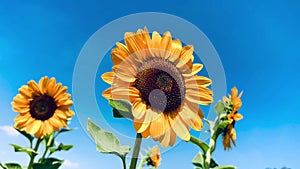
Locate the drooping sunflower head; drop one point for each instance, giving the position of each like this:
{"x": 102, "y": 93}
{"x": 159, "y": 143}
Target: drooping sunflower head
{"x": 43, "y": 108}
{"x": 153, "y": 157}
{"x": 232, "y": 103}
{"x": 157, "y": 75}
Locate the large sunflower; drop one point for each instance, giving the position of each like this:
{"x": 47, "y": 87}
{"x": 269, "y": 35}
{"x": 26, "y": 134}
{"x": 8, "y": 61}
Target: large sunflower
{"x": 43, "y": 107}
{"x": 158, "y": 77}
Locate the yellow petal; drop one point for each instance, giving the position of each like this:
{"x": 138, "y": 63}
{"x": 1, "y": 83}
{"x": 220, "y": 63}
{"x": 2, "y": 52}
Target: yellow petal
{"x": 141, "y": 125}
{"x": 60, "y": 90}
{"x": 126, "y": 72}
{"x": 175, "y": 50}
{"x": 191, "y": 116}
{"x": 234, "y": 92}
{"x": 172, "y": 138}
{"x": 108, "y": 77}
{"x": 48, "y": 127}
{"x": 197, "y": 97}
{"x": 138, "y": 108}
{"x": 33, "y": 86}
{"x": 166, "y": 138}
{"x": 179, "y": 128}
{"x": 199, "y": 80}
{"x": 20, "y": 100}
{"x": 146, "y": 133}
{"x": 43, "y": 84}
{"x": 34, "y": 126}
{"x": 237, "y": 117}
{"x": 119, "y": 53}
{"x": 25, "y": 91}
{"x": 197, "y": 67}
{"x": 130, "y": 94}
{"x": 166, "y": 44}
{"x": 51, "y": 86}
{"x": 185, "y": 55}
{"x": 157, "y": 126}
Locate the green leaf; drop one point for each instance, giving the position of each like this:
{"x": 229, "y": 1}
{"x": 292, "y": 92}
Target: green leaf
{"x": 61, "y": 147}
{"x": 212, "y": 163}
{"x": 198, "y": 160}
{"x": 27, "y": 150}
{"x": 11, "y": 166}
{"x": 121, "y": 108}
{"x": 28, "y": 136}
{"x": 219, "y": 107}
{"x": 49, "y": 163}
{"x": 66, "y": 130}
{"x": 106, "y": 142}
{"x": 225, "y": 167}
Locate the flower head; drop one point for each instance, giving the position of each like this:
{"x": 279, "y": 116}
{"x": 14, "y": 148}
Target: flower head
{"x": 43, "y": 108}
{"x": 233, "y": 103}
{"x": 158, "y": 77}
{"x": 153, "y": 157}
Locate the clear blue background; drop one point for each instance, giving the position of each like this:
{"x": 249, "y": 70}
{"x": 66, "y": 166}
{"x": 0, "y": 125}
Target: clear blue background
{"x": 258, "y": 43}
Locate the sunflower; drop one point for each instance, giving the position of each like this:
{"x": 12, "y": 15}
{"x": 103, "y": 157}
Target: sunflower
{"x": 234, "y": 102}
{"x": 154, "y": 157}
{"x": 158, "y": 77}
{"x": 43, "y": 108}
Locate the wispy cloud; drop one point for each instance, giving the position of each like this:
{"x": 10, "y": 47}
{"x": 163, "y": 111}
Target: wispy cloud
{"x": 69, "y": 164}
{"x": 9, "y": 130}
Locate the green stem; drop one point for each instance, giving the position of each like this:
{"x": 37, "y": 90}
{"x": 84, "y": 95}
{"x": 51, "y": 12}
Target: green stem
{"x": 204, "y": 147}
{"x": 136, "y": 151}
{"x": 33, "y": 156}
{"x": 141, "y": 164}
{"x": 124, "y": 162}
{"x": 45, "y": 152}
{"x": 1, "y": 166}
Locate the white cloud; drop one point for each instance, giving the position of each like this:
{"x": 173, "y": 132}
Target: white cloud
{"x": 69, "y": 164}
{"x": 9, "y": 130}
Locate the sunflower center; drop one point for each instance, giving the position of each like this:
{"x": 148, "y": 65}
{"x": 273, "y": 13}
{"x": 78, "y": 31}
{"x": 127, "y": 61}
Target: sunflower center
{"x": 42, "y": 107}
{"x": 161, "y": 85}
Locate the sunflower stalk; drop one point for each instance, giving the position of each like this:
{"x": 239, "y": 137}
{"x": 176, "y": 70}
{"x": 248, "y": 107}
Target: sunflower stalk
{"x": 34, "y": 155}
{"x": 136, "y": 151}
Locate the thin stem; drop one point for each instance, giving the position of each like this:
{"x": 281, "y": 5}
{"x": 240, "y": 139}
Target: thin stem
{"x": 124, "y": 162}
{"x": 33, "y": 156}
{"x": 204, "y": 147}
{"x": 141, "y": 164}
{"x": 45, "y": 152}
{"x": 136, "y": 151}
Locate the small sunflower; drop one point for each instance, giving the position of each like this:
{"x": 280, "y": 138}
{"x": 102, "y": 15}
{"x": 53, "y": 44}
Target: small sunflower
{"x": 234, "y": 102}
{"x": 43, "y": 108}
{"x": 158, "y": 77}
{"x": 153, "y": 157}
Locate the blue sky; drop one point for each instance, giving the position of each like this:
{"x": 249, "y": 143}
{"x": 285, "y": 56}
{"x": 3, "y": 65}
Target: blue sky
{"x": 258, "y": 44}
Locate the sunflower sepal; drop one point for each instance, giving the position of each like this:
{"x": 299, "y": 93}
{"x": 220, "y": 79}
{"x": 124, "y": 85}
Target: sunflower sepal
{"x": 11, "y": 166}
{"x": 121, "y": 109}
{"x": 106, "y": 142}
